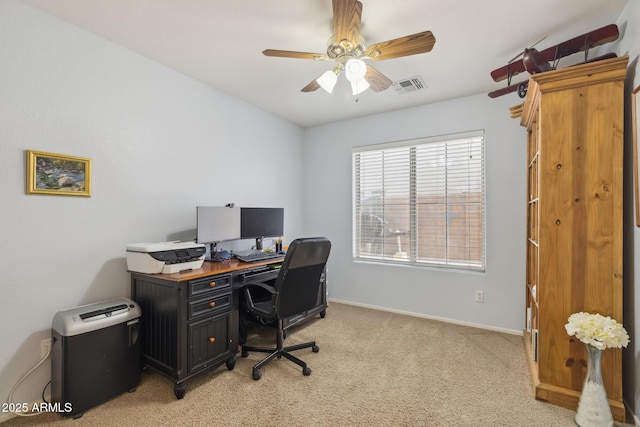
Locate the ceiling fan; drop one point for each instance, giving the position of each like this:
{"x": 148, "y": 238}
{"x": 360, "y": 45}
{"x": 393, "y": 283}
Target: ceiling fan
{"x": 347, "y": 48}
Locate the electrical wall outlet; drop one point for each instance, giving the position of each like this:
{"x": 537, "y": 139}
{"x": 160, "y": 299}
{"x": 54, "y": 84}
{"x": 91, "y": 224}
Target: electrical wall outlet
{"x": 45, "y": 347}
{"x": 479, "y": 296}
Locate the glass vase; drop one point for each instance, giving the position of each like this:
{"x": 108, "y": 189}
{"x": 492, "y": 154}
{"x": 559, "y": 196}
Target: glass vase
{"x": 593, "y": 407}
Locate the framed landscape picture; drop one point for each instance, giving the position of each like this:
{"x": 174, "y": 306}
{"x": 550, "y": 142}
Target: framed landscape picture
{"x": 58, "y": 174}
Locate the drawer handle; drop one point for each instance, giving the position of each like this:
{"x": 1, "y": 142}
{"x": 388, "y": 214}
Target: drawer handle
{"x": 212, "y": 304}
{"x": 212, "y": 339}
{"x": 212, "y": 284}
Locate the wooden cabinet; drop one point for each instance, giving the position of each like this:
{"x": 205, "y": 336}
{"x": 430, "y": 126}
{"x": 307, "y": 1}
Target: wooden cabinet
{"x": 574, "y": 118}
{"x": 188, "y": 325}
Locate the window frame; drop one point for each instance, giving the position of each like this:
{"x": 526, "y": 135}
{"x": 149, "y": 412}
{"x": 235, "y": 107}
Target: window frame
{"x": 412, "y": 258}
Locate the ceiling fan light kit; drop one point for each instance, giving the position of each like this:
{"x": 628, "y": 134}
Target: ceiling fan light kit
{"x": 328, "y": 80}
{"x": 359, "y": 86}
{"x": 355, "y": 69}
{"x": 347, "y": 48}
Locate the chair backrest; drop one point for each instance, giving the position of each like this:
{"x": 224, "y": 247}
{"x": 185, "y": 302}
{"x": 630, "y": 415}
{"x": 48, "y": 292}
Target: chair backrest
{"x": 298, "y": 282}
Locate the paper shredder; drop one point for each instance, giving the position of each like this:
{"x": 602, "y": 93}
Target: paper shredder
{"x": 95, "y": 354}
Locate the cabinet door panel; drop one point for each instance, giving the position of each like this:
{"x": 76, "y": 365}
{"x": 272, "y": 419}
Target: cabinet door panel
{"x": 208, "y": 341}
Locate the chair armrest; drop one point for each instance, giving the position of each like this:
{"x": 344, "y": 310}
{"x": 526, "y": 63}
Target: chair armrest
{"x": 250, "y": 304}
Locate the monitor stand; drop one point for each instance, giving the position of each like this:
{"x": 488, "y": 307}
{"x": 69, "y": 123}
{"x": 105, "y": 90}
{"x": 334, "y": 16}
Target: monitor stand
{"x": 212, "y": 251}
{"x": 259, "y": 243}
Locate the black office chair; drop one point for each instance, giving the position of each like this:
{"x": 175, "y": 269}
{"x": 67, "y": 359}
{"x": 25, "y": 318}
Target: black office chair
{"x": 294, "y": 291}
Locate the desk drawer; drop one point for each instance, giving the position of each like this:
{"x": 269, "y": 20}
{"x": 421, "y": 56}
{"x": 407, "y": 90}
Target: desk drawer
{"x": 209, "y": 284}
{"x": 258, "y": 276}
{"x": 213, "y": 304}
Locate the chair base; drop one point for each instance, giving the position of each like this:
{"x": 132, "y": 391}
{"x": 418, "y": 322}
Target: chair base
{"x": 278, "y": 353}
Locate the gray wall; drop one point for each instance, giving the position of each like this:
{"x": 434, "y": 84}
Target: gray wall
{"x": 160, "y": 143}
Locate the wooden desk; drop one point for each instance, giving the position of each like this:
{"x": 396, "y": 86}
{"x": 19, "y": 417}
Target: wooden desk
{"x": 189, "y": 322}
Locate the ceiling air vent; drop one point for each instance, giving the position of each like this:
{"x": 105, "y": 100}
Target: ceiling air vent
{"x": 412, "y": 84}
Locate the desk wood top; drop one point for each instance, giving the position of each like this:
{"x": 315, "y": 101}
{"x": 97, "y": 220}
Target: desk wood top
{"x": 210, "y": 268}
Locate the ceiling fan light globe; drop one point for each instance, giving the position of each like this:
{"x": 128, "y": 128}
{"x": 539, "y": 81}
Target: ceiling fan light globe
{"x": 327, "y": 80}
{"x": 359, "y": 86}
{"x": 355, "y": 69}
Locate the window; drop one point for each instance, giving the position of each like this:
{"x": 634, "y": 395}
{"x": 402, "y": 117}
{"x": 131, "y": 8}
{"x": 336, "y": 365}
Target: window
{"x": 421, "y": 202}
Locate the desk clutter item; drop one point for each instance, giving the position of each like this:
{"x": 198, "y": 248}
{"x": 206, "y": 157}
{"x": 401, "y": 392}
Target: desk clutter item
{"x": 221, "y": 256}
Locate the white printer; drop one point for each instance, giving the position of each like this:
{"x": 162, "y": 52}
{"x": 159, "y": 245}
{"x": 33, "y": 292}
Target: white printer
{"x": 165, "y": 257}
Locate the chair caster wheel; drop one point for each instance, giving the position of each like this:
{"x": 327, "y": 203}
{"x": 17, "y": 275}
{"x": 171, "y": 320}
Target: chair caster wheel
{"x": 256, "y": 375}
{"x": 244, "y": 353}
{"x": 306, "y": 371}
{"x": 315, "y": 349}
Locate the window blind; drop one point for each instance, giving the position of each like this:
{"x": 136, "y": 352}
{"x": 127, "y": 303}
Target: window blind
{"x": 421, "y": 202}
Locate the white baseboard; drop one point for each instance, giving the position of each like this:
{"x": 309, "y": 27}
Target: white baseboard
{"x": 425, "y": 316}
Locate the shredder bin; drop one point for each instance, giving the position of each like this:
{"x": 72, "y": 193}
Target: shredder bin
{"x": 95, "y": 354}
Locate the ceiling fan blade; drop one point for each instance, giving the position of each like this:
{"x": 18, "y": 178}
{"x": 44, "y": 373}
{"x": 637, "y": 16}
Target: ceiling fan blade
{"x": 376, "y": 79}
{"x": 313, "y": 86}
{"x": 404, "y": 46}
{"x": 346, "y": 20}
{"x": 293, "y": 54}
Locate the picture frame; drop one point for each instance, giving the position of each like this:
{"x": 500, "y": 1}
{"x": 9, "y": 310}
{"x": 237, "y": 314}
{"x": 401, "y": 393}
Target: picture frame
{"x": 635, "y": 123}
{"x": 58, "y": 174}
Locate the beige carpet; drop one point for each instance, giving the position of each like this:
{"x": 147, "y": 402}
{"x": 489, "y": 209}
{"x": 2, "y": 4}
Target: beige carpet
{"x": 374, "y": 368}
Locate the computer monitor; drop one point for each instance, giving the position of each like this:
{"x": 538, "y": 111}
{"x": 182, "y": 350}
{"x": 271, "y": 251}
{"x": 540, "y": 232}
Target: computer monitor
{"x": 217, "y": 224}
{"x": 257, "y": 223}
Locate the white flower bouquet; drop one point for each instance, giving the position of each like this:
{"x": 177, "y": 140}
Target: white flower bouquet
{"x": 597, "y": 330}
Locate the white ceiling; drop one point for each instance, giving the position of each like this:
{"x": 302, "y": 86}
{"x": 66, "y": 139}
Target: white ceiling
{"x": 219, "y": 42}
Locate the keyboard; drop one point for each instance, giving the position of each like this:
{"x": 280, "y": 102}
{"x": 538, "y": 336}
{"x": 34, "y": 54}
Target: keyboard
{"x": 253, "y": 256}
